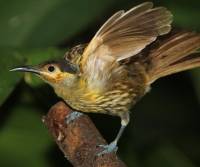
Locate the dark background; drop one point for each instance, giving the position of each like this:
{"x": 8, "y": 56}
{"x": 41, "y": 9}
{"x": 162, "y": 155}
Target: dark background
{"x": 164, "y": 129}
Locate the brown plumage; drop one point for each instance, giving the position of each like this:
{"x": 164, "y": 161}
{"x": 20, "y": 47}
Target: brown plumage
{"x": 111, "y": 73}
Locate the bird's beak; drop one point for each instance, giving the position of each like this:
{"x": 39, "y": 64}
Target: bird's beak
{"x": 27, "y": 69}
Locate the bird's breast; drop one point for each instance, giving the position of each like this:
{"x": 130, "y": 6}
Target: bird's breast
{"x": 113, "y": 102}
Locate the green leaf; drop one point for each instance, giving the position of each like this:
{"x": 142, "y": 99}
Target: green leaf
{"x": 24, "y": 140}
{"x": 23, "y": 16}
{"x": 46, "y": 23}
{"x": 9, "y": 58}
{"x": 65, "y": 20}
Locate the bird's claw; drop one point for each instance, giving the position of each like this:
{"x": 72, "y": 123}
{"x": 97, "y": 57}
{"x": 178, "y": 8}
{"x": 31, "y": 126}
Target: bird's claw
{"x": 72, "y": 116}
{"x": 112, "y": 147}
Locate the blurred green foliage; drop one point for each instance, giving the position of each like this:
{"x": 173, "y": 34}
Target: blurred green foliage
{"x": 164, "y": 128}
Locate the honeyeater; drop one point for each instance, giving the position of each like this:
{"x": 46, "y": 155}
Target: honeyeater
{"x": 117, "y": 67}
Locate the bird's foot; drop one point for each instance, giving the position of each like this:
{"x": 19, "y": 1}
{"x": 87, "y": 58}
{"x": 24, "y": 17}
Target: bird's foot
{"x": 112, "y": 147}
{"x": 72, "y": 116}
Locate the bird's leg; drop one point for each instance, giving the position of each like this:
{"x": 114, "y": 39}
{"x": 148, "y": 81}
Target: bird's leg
{"x": 112, "y": 147}
{"x": 72, "y": 116}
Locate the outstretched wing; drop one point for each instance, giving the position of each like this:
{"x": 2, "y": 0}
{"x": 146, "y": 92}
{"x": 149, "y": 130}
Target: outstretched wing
{"x": 124, "y": 35}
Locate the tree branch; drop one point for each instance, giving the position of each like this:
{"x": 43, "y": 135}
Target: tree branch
{"x": 79, "y": 139}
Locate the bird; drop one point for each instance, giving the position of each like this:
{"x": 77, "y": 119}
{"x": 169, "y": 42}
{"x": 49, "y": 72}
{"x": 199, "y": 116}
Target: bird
{"x": 112, "y": 72}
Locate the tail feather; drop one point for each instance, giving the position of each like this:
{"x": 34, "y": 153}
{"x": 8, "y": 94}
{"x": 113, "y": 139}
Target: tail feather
{"x": 173, "y": 55}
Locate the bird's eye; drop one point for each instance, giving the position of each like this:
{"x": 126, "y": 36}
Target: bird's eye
{"x": 51, "y": 68}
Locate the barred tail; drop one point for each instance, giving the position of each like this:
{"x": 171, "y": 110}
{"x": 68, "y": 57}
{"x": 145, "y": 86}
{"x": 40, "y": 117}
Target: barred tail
{"x": 176, "y": 54}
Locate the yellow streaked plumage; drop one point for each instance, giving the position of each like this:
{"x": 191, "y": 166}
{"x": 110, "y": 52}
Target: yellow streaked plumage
{"x": 111, "y": 73}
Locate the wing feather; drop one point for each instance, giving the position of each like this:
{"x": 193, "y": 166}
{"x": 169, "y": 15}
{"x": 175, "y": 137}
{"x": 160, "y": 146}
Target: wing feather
{"x": 134, "y": 11}
{"x": 175, "y": 54}
{"x": 124, "y": 35}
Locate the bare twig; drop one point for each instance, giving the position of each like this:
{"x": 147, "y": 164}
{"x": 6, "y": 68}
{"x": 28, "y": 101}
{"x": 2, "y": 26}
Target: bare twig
{"x": 79, "y": 139}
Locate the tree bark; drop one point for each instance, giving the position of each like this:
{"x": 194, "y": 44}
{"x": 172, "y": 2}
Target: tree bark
{"x": 79, "y": 139}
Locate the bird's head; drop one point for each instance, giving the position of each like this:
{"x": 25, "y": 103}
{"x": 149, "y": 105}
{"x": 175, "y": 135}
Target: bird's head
{"x": 59, "y": 72}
